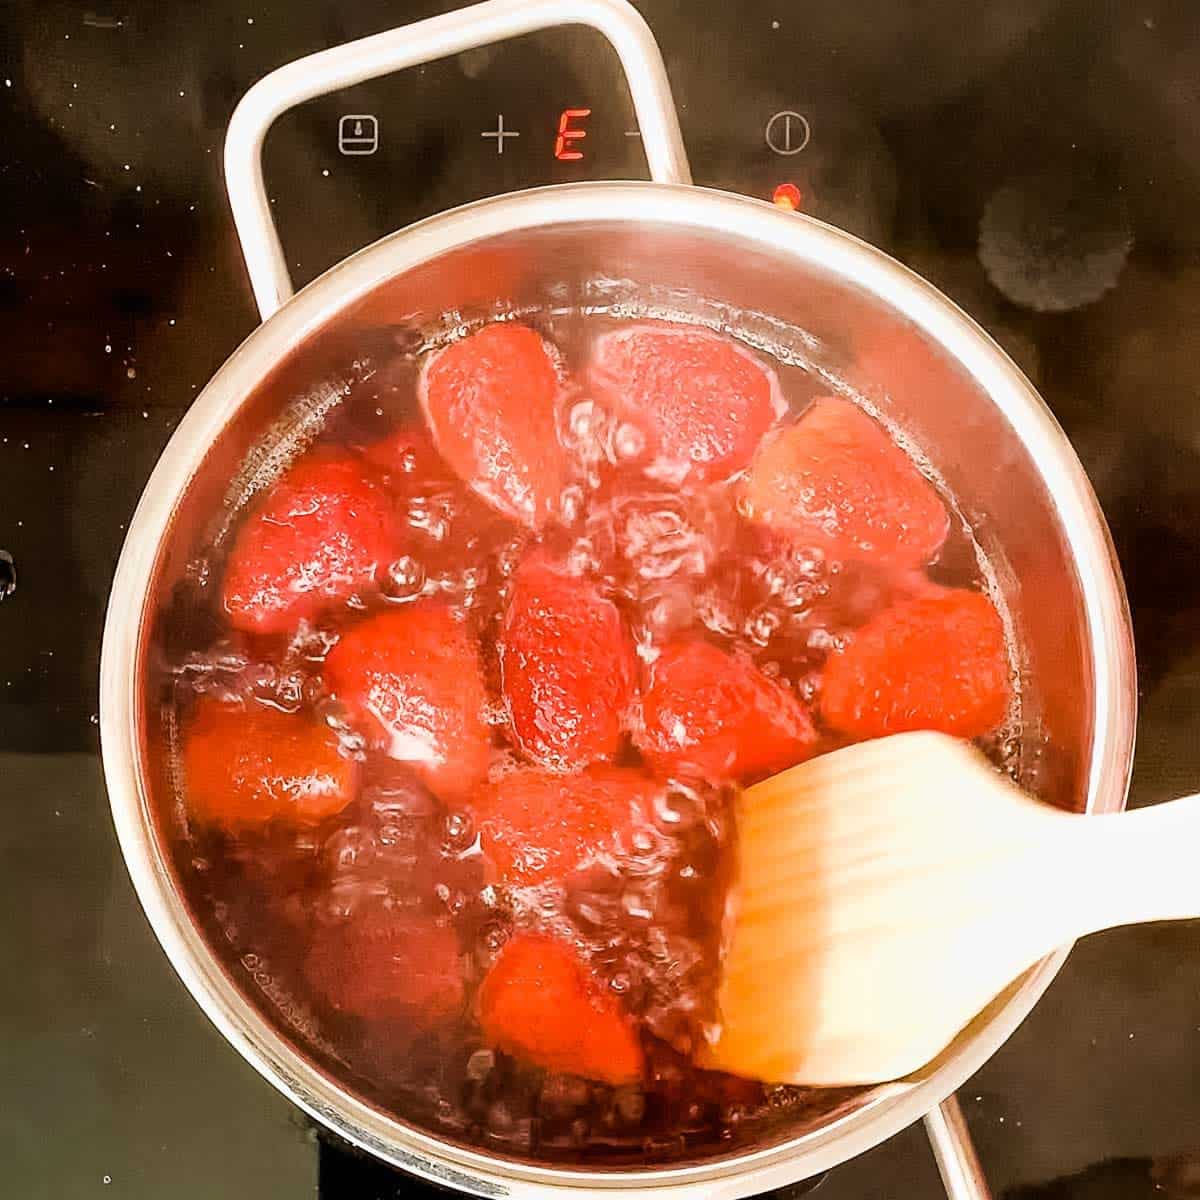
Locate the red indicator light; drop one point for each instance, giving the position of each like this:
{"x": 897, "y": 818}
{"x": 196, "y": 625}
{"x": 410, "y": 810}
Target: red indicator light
{"x": 568, "y": 133}
{"x": 787, "y": 196}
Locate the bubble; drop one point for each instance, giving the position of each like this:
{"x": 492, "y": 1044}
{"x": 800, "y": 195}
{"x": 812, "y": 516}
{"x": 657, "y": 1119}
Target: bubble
{"x": 628, "y": 442}
{"x": 352, "y": 846}
{"x": 405, "y": 579}
{"x": 637, "y": 905}
{"x": 459, "y": 830}
{"x": 677, "y": 808}
{"x": 432, "y": 515}
{"x": 508, "y": 557}
{"x": 762, "y": 626}
{"x": 571, "y": 504}
{"x": 480, "y": 1065}
{"x": 311, "y": 643}
{"x": 583, "y": 419}
{"x": 582, "y": 558}
{"x": 642, "y": 841}
{"x": 823, "y": 641}
{"x": 666, "y": 612}
{"x": 290, "y": 691}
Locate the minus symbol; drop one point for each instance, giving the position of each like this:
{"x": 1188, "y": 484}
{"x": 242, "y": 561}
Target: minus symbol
{"x": 633, "y": 133}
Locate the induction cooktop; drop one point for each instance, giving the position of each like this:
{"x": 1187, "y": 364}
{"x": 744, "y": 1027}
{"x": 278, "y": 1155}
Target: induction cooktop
{"x": 1039, "y": 160}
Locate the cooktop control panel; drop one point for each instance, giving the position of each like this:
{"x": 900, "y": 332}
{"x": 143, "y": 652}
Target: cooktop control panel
{"x": 546, "y": 108}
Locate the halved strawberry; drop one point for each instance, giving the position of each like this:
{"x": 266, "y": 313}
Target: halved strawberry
{"x": 491, "y": 403}
{"x": 385, "y": 964}
{"x": 835, "y": 480}
{"x": 717, "y": 715}
{"x": 935, "y": 662}
{"x": 567, "y": 667}
{"x": 702, "y": 401}
{"x": 412, "y": 682}
{"x": 322, "y": 533}
{"x": 245, "y": 766}
{"x": 541, "y": 1002}
{"x": 537, "y": 826}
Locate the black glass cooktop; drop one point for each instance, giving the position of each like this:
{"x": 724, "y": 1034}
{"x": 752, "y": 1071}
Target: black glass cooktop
{"x": 1038, "y": 159}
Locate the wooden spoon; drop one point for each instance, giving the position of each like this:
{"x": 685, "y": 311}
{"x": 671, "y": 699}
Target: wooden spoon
{"x": 887, "y": 892}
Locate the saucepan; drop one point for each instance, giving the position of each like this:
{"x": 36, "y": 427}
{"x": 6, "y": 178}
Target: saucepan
{"x": 782, "y": 282}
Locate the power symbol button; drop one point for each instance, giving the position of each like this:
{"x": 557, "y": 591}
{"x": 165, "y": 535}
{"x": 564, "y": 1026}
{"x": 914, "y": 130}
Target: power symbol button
{"x": 787, "y": 132}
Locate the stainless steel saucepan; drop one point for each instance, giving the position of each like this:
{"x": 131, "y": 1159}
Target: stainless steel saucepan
{"x": 781, "y": 281}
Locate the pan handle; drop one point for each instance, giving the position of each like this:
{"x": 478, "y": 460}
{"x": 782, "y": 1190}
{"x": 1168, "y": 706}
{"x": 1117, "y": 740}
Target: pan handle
{"x": 957, "y": 1163}
{"x": 421, "y": 42}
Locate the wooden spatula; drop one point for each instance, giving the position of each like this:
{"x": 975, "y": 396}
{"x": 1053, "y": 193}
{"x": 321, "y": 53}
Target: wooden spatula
{"x": 887, "y": 892}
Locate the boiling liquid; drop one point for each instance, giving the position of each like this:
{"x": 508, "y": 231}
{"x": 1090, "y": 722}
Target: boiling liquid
{"x": 675, "y": 563}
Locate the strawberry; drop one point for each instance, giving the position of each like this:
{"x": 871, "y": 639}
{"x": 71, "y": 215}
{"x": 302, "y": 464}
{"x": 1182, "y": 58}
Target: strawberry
{"x": 938, "y": 662}
{"x": 715, "y": 714}
{"x": 538, "y": 826}
{"x": 567, "y": 667}
{"x": 541, "y": 1002}
{"x": 701, "y": 401}
{"x": 835, "y": 480}
{"x": 411, "y": 681}
{"x": 323, "y": 532}
{"x": 245, "y": 766}
{"x": 383, "y": 964}
{"x": 491, "y": 403}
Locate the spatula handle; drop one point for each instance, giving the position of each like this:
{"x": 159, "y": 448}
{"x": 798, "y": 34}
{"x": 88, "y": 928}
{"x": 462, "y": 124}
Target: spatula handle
{"x": 1142, "y": 865}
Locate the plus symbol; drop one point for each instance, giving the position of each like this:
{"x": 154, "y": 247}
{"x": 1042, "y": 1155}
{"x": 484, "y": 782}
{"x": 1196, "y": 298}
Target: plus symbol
{"x": 499, "y": 133}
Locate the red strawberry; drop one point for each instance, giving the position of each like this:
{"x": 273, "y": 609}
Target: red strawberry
{"x": 537, "y": 825}
{"x": 541, "y": 1003}
{"x": 247, "y": 766}
{"x": 717, "y": 715}
{"x": 835, "y": 480}
{"x": 323, "y": 532}
{"x": 702, "y": 401}
{"x": 382, "y": 964}
{"x": 490, "y": 401}
{"x": 567, "y": 667}
{"x": 934, "y": 662}
{"x": 412, "y": 682}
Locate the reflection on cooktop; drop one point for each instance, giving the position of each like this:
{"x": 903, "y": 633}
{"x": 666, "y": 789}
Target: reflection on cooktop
{"x": 1122, "y": 1179}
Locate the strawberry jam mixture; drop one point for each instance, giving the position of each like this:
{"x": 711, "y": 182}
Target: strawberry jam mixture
{"x": 464, "y": 695}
